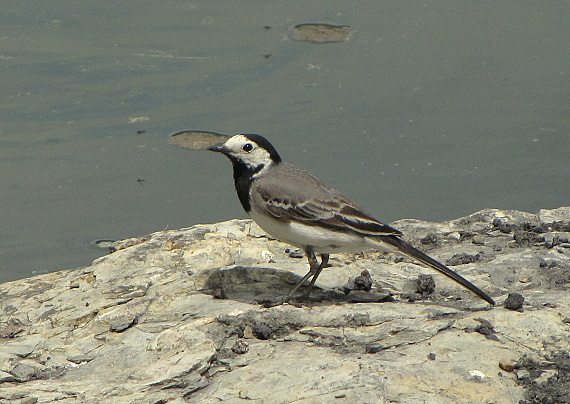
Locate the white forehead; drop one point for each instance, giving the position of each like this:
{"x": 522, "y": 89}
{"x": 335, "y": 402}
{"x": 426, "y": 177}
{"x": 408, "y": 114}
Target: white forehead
{"x": 236, "y": 142}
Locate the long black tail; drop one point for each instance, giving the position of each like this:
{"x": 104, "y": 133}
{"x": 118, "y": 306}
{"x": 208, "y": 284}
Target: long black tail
{"x": 426, "y": 259}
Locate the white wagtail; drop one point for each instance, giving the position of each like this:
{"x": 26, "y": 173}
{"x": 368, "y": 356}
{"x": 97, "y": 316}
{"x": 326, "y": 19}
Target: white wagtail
{"x": 295, "y": 207}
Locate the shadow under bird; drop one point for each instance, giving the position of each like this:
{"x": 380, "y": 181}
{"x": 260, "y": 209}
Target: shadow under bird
{"x": 297, "y": 208}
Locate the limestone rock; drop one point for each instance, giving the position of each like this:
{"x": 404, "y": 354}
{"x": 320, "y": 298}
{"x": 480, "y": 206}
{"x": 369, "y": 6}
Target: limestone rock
{"x": 175, "y": 316}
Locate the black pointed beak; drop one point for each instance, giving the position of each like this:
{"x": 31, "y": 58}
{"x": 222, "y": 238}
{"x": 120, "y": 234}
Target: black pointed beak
{"x": 219, "y": 149}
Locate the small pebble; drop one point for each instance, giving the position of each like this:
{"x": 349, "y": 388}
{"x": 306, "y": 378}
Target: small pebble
{"x": 477, "y": 375}
{"x": 514, "y": 301}
{"x": 240, "y": 347}
{"x": 425, "y": 284}
{"x": 508, "y": 365}
{"x": 486, "y": 328}
{"x": 363, "y": 281}
{"x": 522, "y": 374}
{"x": 123, "y": 323}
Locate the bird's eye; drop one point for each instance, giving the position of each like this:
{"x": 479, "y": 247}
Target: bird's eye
{"x": 247, "y": 147}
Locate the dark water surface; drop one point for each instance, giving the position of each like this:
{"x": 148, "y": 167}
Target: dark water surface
{"x": 431, "y": 110}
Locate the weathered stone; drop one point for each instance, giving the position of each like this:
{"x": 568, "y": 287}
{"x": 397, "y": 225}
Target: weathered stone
{"x": 555, "y": 215}
{"x": 514, "y": 301}
{"x": 174, "y": 317}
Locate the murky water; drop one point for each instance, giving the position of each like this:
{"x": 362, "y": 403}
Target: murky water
{"x": 431, "y": 110}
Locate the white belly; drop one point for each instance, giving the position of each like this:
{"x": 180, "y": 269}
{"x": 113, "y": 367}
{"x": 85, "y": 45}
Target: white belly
{"x": 322, "y": 240}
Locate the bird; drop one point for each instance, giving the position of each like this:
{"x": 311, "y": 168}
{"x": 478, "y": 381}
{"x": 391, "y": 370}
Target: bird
{"x": 297, "y": 208}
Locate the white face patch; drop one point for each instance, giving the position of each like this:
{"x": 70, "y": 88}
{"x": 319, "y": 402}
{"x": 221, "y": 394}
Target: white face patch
{"x": 247, "y": 151}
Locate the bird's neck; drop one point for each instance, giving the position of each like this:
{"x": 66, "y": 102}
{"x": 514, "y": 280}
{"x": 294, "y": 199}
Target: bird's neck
{"x": 243, "y": 178}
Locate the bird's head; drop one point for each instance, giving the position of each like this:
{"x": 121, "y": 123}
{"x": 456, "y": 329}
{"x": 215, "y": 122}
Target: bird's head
{"x": 252, "y": 151}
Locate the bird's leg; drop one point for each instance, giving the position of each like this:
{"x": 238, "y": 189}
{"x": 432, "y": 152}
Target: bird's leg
{"x": 324, "y": 261}
{"x": 314, "y": 270}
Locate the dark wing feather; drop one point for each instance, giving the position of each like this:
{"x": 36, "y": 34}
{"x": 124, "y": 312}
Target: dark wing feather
{"x": 321, "y": 206}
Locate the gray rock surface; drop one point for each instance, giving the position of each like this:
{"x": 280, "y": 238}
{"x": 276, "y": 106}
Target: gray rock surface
{"x": 174, "y": 317}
